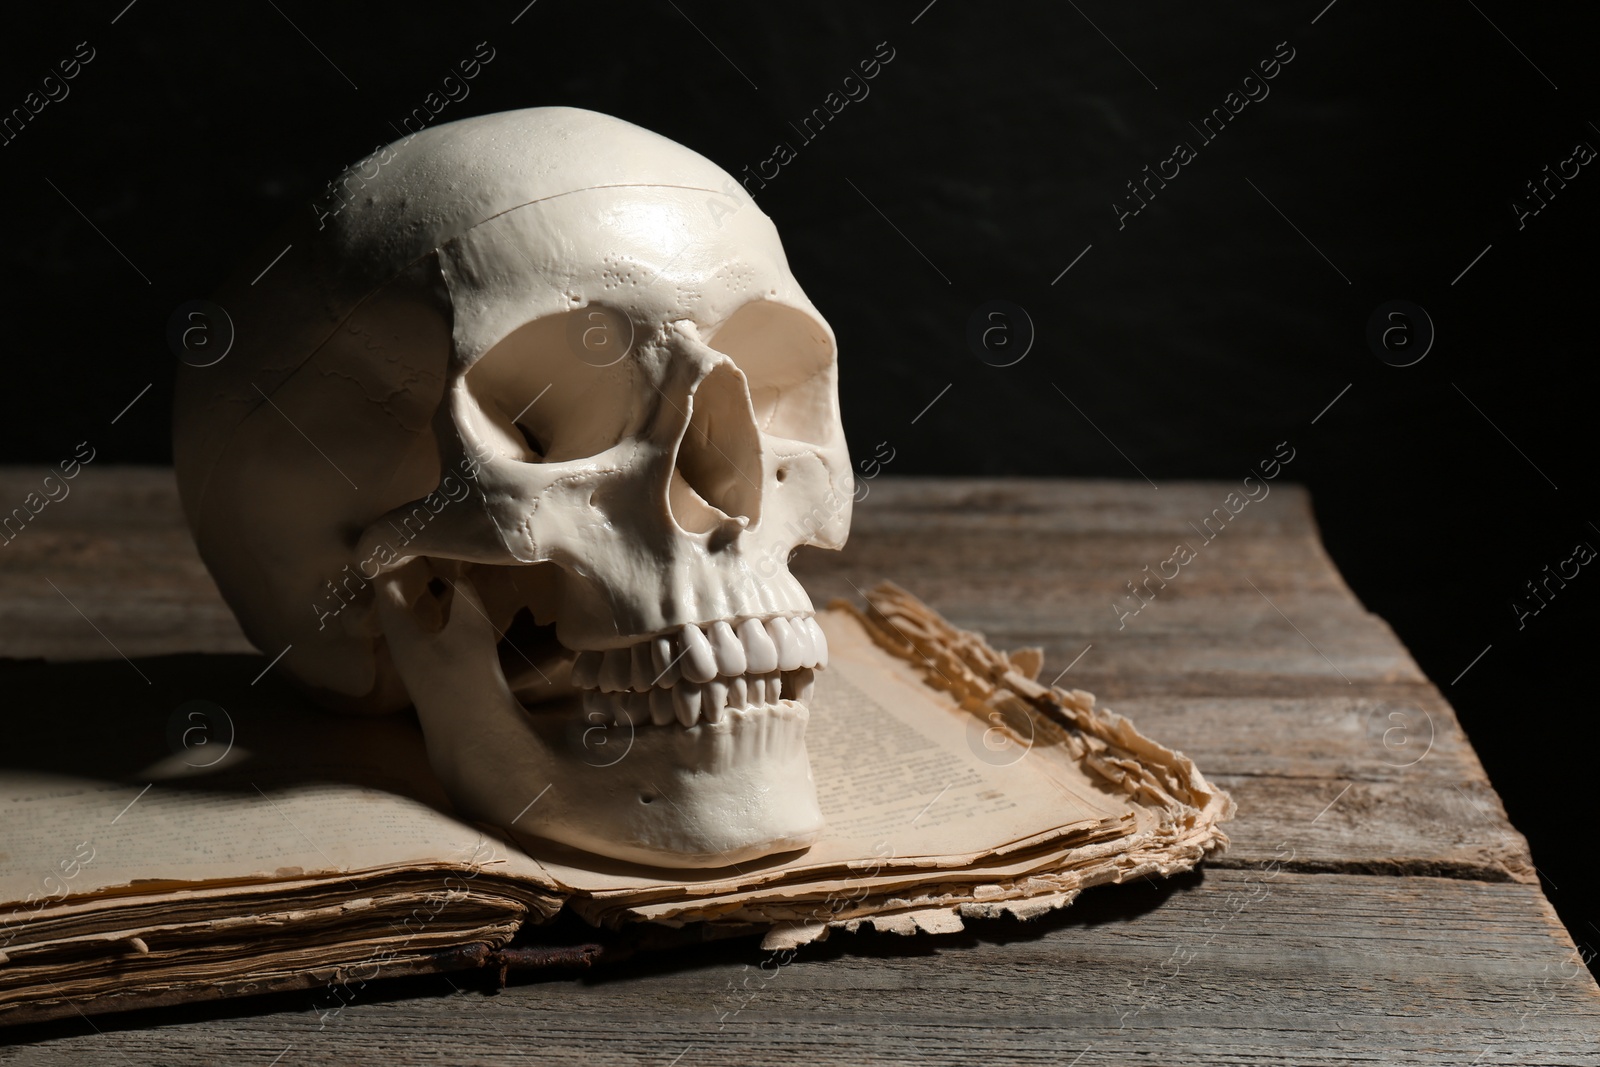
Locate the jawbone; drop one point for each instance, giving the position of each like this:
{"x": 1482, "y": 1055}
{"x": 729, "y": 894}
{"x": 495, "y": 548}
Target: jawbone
{"x": 592, "y": 771}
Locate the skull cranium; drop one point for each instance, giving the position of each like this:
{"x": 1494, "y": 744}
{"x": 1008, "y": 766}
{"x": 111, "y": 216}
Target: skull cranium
{"x": 538, "y": 417}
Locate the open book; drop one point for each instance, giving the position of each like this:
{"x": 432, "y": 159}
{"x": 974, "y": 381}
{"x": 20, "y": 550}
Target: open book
{"x": 303, "y": 850}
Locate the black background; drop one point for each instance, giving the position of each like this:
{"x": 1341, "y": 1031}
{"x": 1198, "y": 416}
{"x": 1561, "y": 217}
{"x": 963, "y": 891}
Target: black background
{"x": 1196, "y": 337}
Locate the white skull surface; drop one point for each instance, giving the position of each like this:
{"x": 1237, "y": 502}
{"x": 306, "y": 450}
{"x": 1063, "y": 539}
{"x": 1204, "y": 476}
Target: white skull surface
{"x": 535, "y": 414}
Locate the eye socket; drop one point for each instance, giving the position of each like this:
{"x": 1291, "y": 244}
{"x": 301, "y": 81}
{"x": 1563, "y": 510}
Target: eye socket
{"x": 543, "y": 395}
{"x": 788, "y": 360}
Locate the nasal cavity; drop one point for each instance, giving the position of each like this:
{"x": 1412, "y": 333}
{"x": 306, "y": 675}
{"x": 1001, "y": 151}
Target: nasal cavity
{"x": 718, "y": 471}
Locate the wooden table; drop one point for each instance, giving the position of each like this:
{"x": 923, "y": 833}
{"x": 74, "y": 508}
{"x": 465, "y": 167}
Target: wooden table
{"x": 1406, "y": 924}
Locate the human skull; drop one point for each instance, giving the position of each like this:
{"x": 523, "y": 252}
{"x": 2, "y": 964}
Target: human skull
{"x": 523, "y": 433}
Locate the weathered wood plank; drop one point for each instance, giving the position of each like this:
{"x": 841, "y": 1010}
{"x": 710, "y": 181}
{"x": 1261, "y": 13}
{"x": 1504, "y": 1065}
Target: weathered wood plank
{"x": 117, "y": 548}
{"x": 1256, "y": 660}
{"x": 1227, "y": 967}
{"x": 1384, "y": 782}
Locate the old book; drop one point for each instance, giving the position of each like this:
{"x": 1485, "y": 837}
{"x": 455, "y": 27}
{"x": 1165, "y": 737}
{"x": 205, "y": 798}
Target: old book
{"x": 317, "y": 852}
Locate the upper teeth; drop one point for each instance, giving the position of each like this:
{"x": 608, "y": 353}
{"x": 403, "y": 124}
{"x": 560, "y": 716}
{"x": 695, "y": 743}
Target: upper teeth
{"x": 700, "y": 670}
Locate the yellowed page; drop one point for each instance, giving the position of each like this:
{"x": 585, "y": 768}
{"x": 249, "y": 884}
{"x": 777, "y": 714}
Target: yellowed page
{"x": 298, "y": 794}
{"x": 905, "y": 777}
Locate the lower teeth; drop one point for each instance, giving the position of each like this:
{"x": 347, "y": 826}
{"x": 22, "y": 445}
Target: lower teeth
{"x": 688, "y": 703}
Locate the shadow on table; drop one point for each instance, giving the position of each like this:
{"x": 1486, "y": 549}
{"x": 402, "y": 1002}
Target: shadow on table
{"x": 223, "y": 723}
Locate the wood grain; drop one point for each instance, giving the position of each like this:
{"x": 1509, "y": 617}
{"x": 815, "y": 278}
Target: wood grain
{"x": 1403, "y": 923}
{"x": 1227, "y": 967}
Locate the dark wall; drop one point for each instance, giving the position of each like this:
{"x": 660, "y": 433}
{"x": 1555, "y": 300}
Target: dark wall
{"x": 988, "y": 154}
